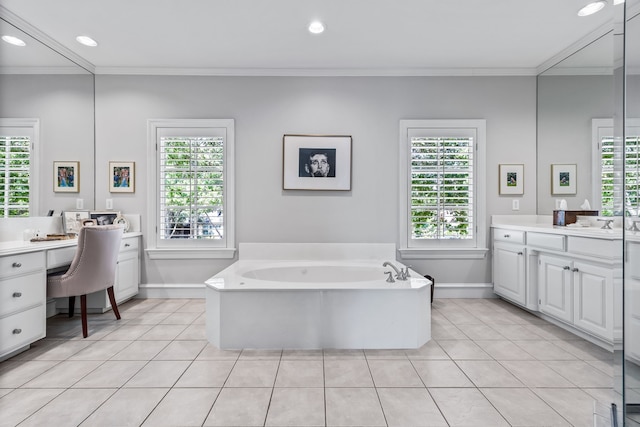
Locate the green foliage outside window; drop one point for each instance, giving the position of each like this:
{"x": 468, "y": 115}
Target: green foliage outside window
{"x": 15, "y": 155}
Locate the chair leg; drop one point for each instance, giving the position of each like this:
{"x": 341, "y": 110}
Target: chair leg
{"x": 112, "y": 299}
{"x": 83, "y": 312}
{"x": 72, "y": 305}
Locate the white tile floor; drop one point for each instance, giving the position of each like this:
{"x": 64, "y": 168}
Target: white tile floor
{"x": 488, "y": 364}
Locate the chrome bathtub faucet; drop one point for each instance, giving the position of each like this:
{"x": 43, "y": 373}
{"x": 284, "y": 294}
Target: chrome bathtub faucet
{"x": 390, "y": 277}
{"x": 400, "y": 274}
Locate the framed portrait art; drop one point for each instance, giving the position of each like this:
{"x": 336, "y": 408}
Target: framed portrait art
{"x": 563, "y": 179}
{"x": 511, "y": 179}
{"x": 316, "y": 162}
{"x": 72, "y": 221}
{"x": 122, "y": 177}
{"x": 66, "y": 177}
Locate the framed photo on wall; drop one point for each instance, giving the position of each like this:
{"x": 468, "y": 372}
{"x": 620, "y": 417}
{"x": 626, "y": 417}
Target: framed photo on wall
{"x": 563, "y": 179}
{"x": 511, "y": 179}
{"x": 122, "y": 177}
{"x": 66, "y": 177}
{"x": 316, "y": 162}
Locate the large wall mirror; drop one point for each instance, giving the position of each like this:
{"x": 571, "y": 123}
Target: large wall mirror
{"x": 571, "y": 94}
{"x": 36, "y": 82}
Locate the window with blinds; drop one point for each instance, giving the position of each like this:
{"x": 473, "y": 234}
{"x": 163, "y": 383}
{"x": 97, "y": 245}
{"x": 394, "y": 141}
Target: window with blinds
{"x": 191, "y": 169}
{"x": 18, "y": 167}
{"x": 442, "y": 211}
{"x": 442, "y": 201}
{"x": 191, "y": 187}
{"x": 15, "y": 166}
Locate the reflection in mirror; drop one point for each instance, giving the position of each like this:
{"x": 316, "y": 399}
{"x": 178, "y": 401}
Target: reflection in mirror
{"x": 46, "y": 115}
{"x": 631, "y": 378}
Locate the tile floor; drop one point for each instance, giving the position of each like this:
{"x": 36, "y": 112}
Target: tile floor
{"x": 488, "y": 364}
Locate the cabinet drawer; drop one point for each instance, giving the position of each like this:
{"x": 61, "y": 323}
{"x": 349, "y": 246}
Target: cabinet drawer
{"x": 21, "y": 329}
{"x": 547, "y": 241}
{"x": 22, "y": 263}
{"x": 60, "y": 257}
{"x": 600, "y": 248}
{"x": 505, "y": 235}
{"x": 129, "y": 244}
{"x": 18, "y": 293}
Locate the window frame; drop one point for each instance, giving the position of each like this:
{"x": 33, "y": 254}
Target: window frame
{"x": 475, "y": 248}
{"x": 190, "y": 248}
{"x": 31, "y": 128}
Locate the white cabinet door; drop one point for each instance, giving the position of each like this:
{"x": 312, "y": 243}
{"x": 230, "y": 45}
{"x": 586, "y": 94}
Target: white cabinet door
{"x": 555, "y": 287}
{"x": 593, "y": 299}
{"x": 509, "y": 272}
{"x": 127, "y": 275}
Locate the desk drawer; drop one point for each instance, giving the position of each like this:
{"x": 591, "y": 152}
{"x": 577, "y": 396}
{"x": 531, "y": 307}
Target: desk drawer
{"x": 60, "y": 257}
{"x": 130, "y": 244}
{"x": 505, "y": 235}
{"x": 21, "y": 329}
{"x": 555, "y": 242}
{"x": 18, "y": 293}
{"x": 21, "y": 263}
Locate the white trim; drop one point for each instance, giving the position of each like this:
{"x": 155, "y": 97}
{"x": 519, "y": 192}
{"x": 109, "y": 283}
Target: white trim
{"x": 442, "y": 253}
{"x": 178, "y": 290}
{"x": 479, "y": 161}
{"x": 315, "y": 72}
{"x": 33, "y": 126}
{"x": 463, "y": 290}
{"x": 190, "y": 253}
{"x": 191, "y": 249}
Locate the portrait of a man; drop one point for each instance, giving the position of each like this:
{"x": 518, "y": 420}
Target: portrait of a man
{"x": 317, "y": 162}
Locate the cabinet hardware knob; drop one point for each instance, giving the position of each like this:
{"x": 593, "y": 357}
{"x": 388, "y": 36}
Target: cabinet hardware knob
{"x": 16, "y": 264}
{"x": 17, "y": 294}
{"x": 506, "y": 236}
{"x": 17, "y": 331}
{"x": 126, "y": 245}
{"x": 575, "y": 270}
{"x": 520, "y": 253}
{"x": 566, "y": 267}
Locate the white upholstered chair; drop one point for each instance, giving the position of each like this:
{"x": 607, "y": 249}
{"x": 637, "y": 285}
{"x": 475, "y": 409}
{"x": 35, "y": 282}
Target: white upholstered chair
{"x": 93, "y": 269}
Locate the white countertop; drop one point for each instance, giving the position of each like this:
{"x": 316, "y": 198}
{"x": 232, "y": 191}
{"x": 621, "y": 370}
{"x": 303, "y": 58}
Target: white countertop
{"x": 13, "y": 247}
{"x": 570, "y": 230}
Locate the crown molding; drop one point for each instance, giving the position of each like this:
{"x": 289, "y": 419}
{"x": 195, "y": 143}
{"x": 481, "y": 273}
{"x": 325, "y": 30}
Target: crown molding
{"x": 308, "y": 72}
{"x": 45, "y": 39}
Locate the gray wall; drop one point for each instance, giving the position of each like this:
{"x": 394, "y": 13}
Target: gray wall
{"x": 265, "y": 108}
{"x": 566, "y": 105}
{"x": 64, "y": 105}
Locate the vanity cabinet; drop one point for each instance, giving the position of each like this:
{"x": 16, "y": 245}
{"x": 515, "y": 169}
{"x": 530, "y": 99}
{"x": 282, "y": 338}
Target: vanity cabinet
{"x": 22, "y": 301}
{"x": 632, "y": 301}
{"x": 575, "y": 276}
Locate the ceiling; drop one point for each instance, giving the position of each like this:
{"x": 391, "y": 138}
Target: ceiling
{"x": 362, "y": 37}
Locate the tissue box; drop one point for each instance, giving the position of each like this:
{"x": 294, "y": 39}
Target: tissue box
{"x": 561, "y": 217}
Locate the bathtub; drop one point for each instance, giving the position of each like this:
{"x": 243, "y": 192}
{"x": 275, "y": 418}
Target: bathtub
{"x": 312, "y": 296}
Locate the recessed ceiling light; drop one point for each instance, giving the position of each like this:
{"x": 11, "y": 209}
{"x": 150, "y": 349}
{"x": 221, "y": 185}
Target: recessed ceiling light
{"x": 87, "y": 41}
{"x": 316, "y": 27}
{"x": 592, "y": 8}
{"x": 617, "y": 2}
{"x": 13, "y": 40}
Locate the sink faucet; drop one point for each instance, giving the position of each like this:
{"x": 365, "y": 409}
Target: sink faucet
{"x": 607, "y": 223}
{"x": 400, "y": 275}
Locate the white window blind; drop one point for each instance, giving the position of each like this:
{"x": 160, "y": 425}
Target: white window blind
{"x": 191, "y": 187}
{"x": 442, "y": 187}
{"x": 18, "y": 167}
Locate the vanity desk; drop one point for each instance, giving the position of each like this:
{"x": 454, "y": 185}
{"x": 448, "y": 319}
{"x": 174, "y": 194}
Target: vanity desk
{"x": 23, "y": 286}
{"x": 570, "y": 275}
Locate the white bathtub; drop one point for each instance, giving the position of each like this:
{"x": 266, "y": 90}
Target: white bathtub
{"x": 317, "y": 302}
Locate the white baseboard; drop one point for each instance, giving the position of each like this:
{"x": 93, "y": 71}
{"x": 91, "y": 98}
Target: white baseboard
{"x": 443, "y": 290}
{"x": 464, "y": 290}
{"x": 171, "y": 290}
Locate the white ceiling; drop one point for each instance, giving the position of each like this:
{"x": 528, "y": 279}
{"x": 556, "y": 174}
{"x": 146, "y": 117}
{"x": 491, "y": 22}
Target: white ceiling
{"x": 269, "y": 37}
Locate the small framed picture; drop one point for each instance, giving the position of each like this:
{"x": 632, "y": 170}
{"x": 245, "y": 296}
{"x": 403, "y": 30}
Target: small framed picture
{"x": 72, "y": 221}
{"x": 104, "y": 218}
{"x": 316, "y": 162}
{"x": 66, "y": 177}
{"x": 563, "y": 179}
{"x": 511, "y": 179}
{"x": 122, "y": 177}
